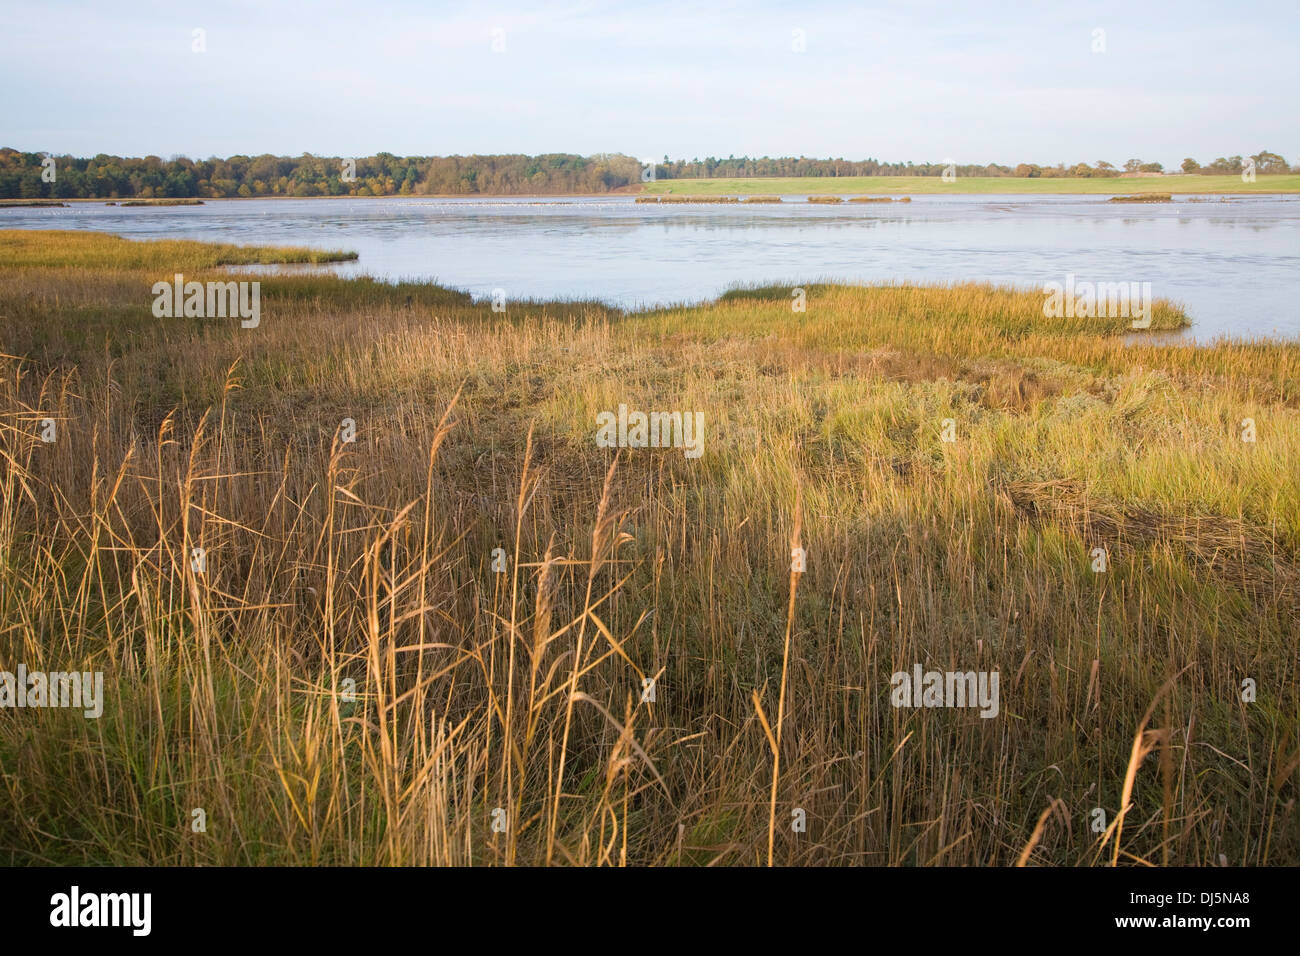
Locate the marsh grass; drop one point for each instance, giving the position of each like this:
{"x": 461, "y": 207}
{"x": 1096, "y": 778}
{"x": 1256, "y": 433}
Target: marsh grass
{"x": 98, "y": 250}
{"x": 159, "y": 202}
{"x": 522, "y": 691}
{"x": 667, "y": 198}
{"x": 698, "y": 199}
{"x": 1144, "y": 197}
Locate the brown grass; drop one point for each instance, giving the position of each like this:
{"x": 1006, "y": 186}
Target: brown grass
{"x": 1143, "y": 197}
{"x": 517, "y": 698}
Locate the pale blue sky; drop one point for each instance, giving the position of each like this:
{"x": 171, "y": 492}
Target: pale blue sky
{"x": 993, "y": 81}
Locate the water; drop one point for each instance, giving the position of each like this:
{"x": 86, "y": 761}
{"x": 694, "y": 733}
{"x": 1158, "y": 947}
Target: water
{"x": 1234, "y": 265}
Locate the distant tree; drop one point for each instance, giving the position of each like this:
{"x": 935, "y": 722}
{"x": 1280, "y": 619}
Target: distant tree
{"x": 1133, "y": 165}
{"x": 1151, "y": 168}
{"x": 1082, "y": 170}
{"x": 1268, "y": 164}
{"x": 1191, "y": 166}
{"x": 1105, "y": 169}
{"x": 180, "y": 183}
{"x": 1231, "y": 166}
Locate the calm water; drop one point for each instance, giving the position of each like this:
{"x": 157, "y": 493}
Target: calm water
{"x": 1235, "y": 265}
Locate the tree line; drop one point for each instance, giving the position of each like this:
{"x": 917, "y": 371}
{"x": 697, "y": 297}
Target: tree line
{"x": 26, "y": 175}
{"x": 29, "y": 175}
{"x": 744, "y": 167}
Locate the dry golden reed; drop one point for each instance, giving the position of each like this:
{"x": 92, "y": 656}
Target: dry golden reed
{"x": 471, "y": 636}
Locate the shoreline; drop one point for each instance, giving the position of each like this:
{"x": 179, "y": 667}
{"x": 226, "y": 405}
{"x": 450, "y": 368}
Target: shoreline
{"x": 678, "y": 199}
{"x": 1273, "y": 185}
{"x": 1201, "y": 330}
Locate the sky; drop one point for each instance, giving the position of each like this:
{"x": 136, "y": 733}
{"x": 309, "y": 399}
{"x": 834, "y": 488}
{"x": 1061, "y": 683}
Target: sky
{"x": 996, "y": 81}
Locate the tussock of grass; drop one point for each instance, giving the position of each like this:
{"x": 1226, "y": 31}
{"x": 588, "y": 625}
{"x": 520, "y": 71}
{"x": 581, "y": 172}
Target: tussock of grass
{"x": 687, "y": 199}
{"x": 825, "y": 199}
{"x": 698, "y": 199}
{"x": 161, "y": 202}
{"x": 1144, "y": 197}
{"x": 522, "y": 691}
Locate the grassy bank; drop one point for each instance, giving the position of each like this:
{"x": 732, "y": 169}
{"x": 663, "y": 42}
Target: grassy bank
{"x": 347, "y": 679}
{"x": 23, "y": 248}
{"x": 847, "y": 185}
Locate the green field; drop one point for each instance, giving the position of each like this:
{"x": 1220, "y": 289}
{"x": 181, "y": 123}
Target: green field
{"x": 888, "y": 185}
